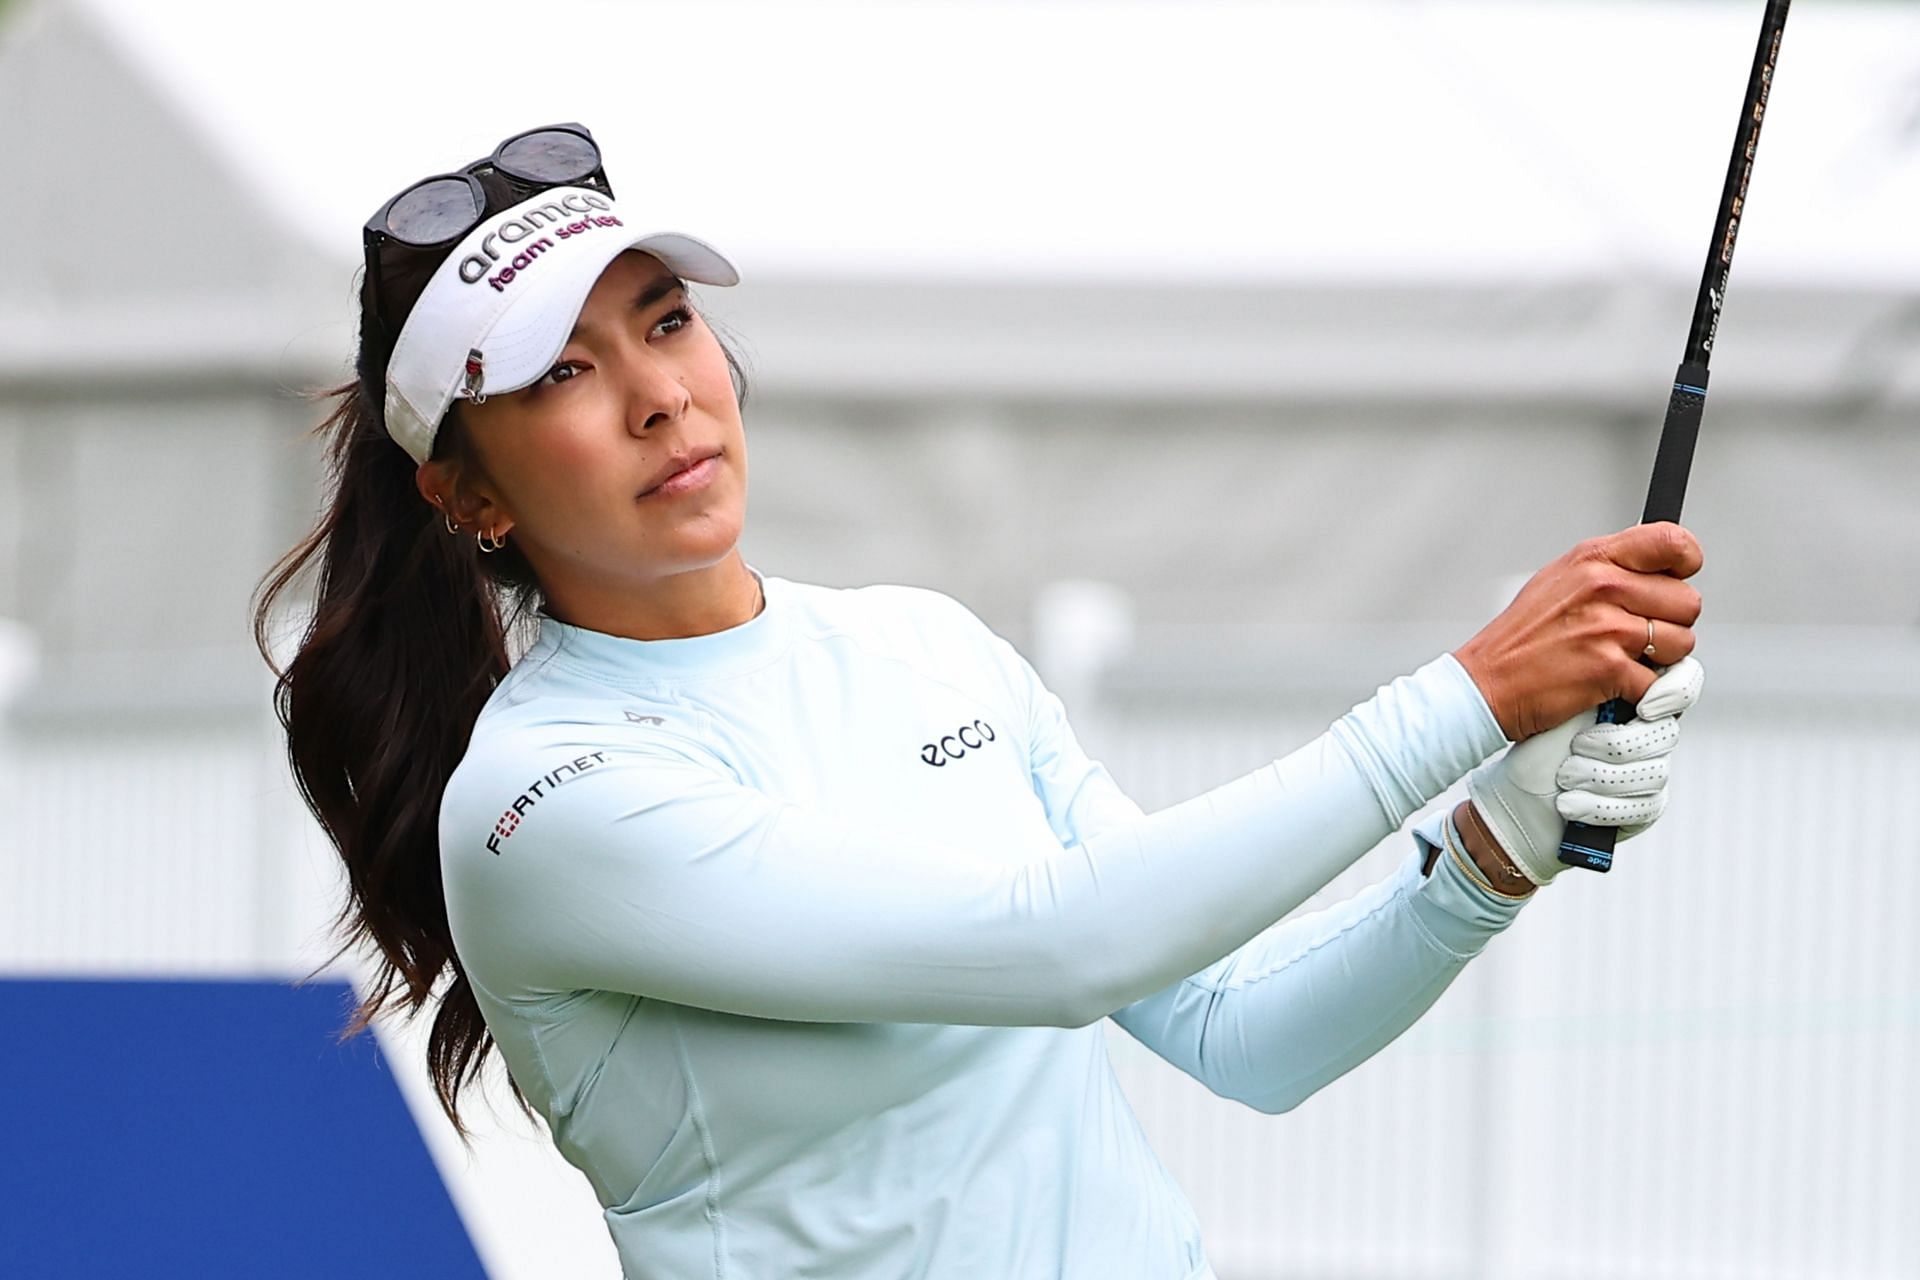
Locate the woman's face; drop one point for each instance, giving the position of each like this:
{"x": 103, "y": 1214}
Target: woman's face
{"x": 572, "y": 463}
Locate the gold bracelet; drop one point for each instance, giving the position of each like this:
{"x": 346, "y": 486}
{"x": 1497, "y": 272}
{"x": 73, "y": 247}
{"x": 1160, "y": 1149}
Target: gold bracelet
{"x": 1499, "y": 851}
{"x": 1465, "y": 864}
{"x": 1467, "y": 868}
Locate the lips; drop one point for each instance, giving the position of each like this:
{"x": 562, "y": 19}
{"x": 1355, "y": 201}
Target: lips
{"x": 678, "y": 463}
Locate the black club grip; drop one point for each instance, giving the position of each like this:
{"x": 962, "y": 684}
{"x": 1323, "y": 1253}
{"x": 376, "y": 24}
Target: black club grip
{"x": 1581, "y": 844}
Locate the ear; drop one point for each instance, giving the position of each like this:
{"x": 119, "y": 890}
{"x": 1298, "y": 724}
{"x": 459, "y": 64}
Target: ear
{"x": 472, "y": 507}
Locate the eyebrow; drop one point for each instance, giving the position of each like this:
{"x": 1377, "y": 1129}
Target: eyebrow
{"x": 659, "y": 288}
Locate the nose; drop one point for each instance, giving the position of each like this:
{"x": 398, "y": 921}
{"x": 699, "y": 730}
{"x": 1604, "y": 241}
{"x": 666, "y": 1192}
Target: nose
{"x": 654, "y": 395}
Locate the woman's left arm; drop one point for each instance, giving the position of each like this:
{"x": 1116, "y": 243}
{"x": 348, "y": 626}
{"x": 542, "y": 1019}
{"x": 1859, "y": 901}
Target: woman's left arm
{"x": 1310, "y": 997}
{"x": 1315, "y": 995}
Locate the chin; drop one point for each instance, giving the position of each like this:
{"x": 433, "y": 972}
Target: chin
{"x": 706, "y": 537}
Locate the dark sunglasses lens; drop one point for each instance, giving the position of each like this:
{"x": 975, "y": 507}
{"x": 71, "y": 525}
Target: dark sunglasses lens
{"x": 433, "y": 212}
{"x": 550, "y": 156}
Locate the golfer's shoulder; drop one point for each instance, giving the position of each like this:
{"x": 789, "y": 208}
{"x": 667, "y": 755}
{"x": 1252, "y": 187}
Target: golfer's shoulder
{"x": 559, "y": 724}
{"x": 892, "y": 618}
{"x": 550, "y": 733}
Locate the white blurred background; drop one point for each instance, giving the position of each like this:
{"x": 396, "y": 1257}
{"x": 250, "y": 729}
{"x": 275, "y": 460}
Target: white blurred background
{"x": 1229, "y": 358}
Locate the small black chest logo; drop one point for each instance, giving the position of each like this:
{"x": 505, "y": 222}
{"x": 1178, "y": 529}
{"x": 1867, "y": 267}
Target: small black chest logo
{"x": 968, "y": 737}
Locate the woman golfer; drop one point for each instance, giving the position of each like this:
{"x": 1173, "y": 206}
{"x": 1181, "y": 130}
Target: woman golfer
{"x": 795, "y": 910}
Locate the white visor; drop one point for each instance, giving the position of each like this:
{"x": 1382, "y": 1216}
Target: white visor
{"x": 499, "y": 310}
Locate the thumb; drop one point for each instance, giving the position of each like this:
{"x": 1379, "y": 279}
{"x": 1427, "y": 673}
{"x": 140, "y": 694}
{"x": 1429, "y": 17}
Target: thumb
{"x": 1533, "y": 765}
{"x": 1676, "y": 690}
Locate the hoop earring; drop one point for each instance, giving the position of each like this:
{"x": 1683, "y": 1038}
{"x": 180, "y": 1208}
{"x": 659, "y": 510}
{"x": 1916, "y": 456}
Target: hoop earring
{"x": 488, "y": 542}
{"x": 451, "y": 526}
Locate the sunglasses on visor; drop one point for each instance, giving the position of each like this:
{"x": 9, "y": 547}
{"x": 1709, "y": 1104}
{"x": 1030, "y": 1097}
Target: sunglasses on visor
{"x": 437, "y": 211}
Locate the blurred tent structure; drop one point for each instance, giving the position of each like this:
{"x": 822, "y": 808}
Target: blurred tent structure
{"x": 1304, "y": 328}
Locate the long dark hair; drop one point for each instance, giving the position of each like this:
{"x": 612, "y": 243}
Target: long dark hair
{"x": 409, "y": 635}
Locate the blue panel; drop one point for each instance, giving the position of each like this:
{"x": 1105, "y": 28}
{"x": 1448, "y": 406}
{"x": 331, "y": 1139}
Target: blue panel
{"x": 209, "y": 1129}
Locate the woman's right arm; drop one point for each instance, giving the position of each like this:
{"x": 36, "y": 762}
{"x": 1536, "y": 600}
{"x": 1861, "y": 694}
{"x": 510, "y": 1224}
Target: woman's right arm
{"x": 656, "y": 873}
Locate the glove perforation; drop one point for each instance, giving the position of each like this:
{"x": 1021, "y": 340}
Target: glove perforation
{"x": 1522, "y": 800}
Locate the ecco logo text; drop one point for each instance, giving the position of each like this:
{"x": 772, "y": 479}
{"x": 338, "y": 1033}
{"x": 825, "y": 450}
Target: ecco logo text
{"x": 968, "y": 737}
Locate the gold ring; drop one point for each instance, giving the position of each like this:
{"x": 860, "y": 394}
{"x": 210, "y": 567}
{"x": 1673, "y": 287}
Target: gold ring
{"x": 1649, "y": 649}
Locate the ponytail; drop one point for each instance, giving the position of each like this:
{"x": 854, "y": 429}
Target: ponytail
{"x": 408, "y": 637}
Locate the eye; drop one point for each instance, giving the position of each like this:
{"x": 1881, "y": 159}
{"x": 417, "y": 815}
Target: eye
{"x": 562, "y": 372}
{"x": 679, "y": 318}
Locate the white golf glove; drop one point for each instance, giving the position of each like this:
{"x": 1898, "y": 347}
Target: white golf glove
{"x": 1607, "y": 775}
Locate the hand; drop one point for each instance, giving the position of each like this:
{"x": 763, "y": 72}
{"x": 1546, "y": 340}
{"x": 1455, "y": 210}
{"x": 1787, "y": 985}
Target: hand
{"x": 1609, "y": 775}
{"x": 1572, "y": 638}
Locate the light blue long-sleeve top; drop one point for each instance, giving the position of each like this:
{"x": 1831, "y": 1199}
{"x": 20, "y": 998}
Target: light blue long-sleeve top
{"x": 799, "y": 936}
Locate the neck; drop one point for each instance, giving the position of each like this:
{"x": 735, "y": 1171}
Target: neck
{"x": 696, "y": 602}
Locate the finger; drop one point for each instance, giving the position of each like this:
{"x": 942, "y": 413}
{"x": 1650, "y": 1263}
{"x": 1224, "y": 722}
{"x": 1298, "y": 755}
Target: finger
{"x": 1675, "y": 604}
{"x": 1635, "y": 778}
{"x": 1671, "y": 643}
{"x": 1633, "y": 676}
{"x": 1627, "y": 741}
{"x": 1611, "y": 811}
{"x": 1675, "y": 691}
{"x": 1660, "y": 546}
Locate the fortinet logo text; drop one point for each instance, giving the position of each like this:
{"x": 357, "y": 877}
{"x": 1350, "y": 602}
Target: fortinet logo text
{"x": 510, "y": 820}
